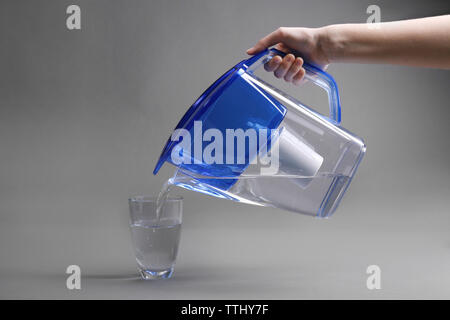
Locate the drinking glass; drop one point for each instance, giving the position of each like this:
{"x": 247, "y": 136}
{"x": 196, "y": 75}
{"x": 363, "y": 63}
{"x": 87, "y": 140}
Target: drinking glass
{"x": 155, "y": 236}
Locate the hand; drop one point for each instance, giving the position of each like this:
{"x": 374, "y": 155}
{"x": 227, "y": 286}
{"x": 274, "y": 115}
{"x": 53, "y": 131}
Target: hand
{"x": 298, "y": 43}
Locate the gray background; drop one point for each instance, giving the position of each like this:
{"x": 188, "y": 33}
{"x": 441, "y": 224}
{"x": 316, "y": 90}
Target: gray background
{"x": 84, "y": 115}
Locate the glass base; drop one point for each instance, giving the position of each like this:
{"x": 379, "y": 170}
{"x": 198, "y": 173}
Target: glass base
{"x": 155, "y": 275}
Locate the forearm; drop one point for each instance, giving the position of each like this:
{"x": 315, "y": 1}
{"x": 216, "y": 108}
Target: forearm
{"x": 419, "y": 42}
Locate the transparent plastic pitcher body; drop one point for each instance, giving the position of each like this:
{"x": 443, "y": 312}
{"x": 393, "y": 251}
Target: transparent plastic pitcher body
{"x": 302, "y": 161}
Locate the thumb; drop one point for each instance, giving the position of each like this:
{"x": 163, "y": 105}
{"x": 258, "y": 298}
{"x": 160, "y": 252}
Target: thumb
{"x": 269, "y": 40}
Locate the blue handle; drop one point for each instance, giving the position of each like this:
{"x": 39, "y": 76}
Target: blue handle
{"x": 313, "y": 74}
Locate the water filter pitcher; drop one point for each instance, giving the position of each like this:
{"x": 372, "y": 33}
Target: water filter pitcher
{"x": 301, "y": 160}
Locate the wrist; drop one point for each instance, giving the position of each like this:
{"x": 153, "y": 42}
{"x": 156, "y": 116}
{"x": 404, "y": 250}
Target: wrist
{"x": 330, "y": 42}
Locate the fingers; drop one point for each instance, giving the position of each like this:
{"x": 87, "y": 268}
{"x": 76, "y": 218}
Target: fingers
{"x": 269, "y": 40}
{"x": 273, "y": 64}
{"x": 284, "y": 66}
{"x": 289, "y": 68}
{"x": 298, "y": 78}
{"x": 295, "y": 68}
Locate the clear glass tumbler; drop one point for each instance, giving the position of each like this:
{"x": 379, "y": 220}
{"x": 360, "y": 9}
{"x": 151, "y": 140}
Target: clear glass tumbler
{"x": 155, "y": 239}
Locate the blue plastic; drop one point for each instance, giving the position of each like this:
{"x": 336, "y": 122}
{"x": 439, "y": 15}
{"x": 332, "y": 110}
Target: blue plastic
{"x": 232, "y": 102}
